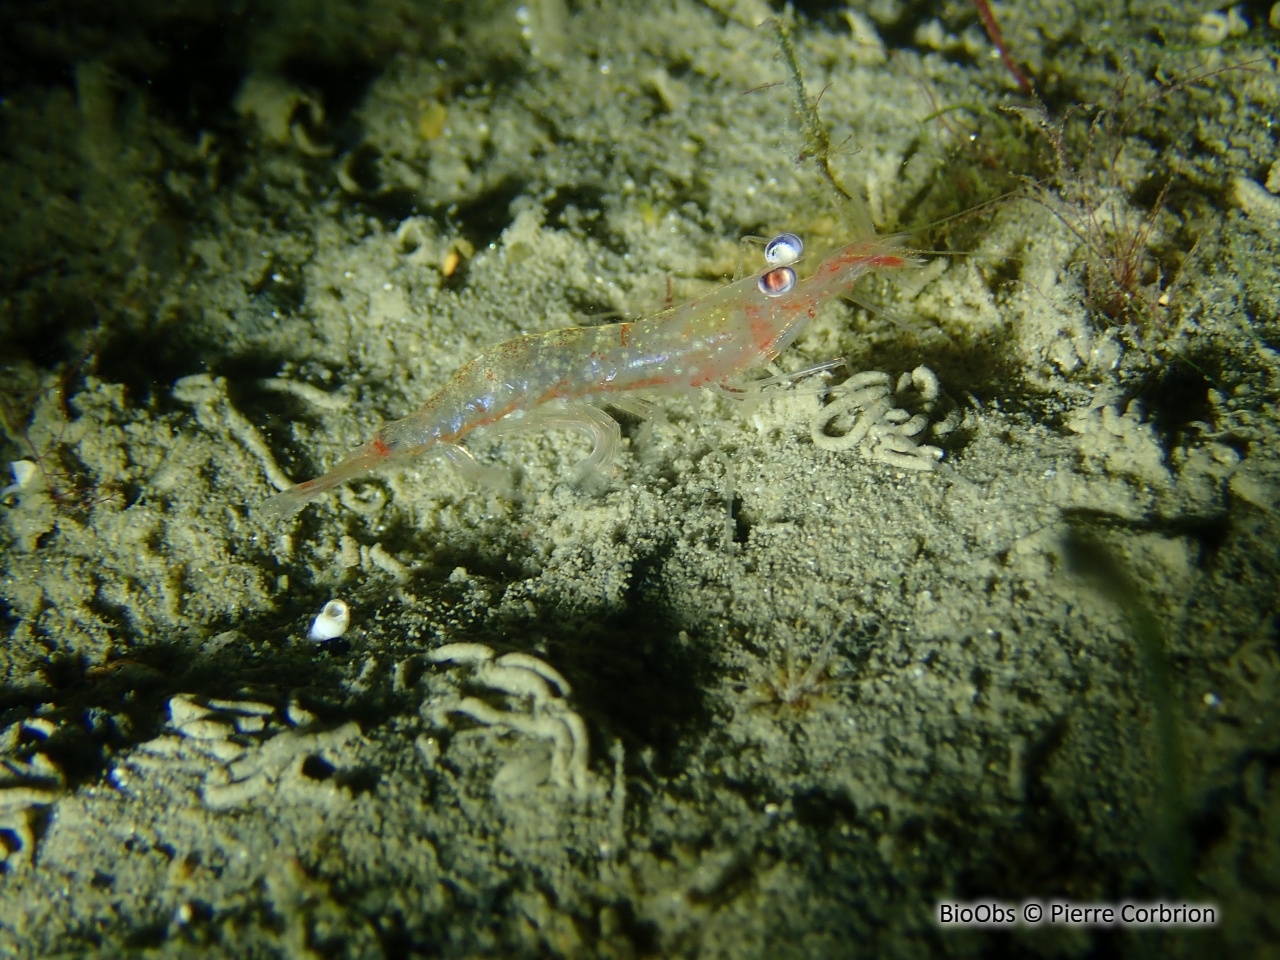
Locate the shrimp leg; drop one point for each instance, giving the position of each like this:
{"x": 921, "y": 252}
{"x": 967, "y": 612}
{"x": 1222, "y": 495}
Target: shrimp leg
{"x": 602, "y": 429}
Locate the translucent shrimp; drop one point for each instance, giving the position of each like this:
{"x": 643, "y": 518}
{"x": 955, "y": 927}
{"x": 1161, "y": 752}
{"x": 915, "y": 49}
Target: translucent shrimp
{"x": 554, "y": 379}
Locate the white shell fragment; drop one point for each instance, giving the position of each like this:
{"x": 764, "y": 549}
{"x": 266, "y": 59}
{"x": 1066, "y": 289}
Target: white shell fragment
{"x": 331, "y": 622}
{"x": 23, "y": 472}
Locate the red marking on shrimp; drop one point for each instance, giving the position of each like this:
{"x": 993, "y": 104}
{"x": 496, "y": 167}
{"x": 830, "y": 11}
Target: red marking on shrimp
{"x": 379, "y": 446}
{"x": 639, "y": 385}
{"x": 763, "y": 334}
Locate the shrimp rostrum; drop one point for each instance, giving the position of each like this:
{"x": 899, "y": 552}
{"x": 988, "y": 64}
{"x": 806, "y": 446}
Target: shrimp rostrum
{"x": 558, "y": 378}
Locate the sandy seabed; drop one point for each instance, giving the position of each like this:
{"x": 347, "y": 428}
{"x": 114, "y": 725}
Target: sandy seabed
{"x": 756, "y": 692}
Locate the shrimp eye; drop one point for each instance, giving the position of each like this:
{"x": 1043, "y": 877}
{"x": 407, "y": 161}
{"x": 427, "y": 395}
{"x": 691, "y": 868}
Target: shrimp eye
{"x": 783, "y": 249}
{"x": 777, "y": 281}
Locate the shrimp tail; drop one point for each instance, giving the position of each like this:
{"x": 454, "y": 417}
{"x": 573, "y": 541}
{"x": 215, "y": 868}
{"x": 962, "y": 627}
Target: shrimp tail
{"x": 287, "y": 503}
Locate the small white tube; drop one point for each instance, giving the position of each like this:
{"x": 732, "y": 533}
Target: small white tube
{"x": 331, "y": 622}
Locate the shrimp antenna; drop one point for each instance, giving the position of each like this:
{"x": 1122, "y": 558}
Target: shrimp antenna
{"x": 816, "y": 141}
